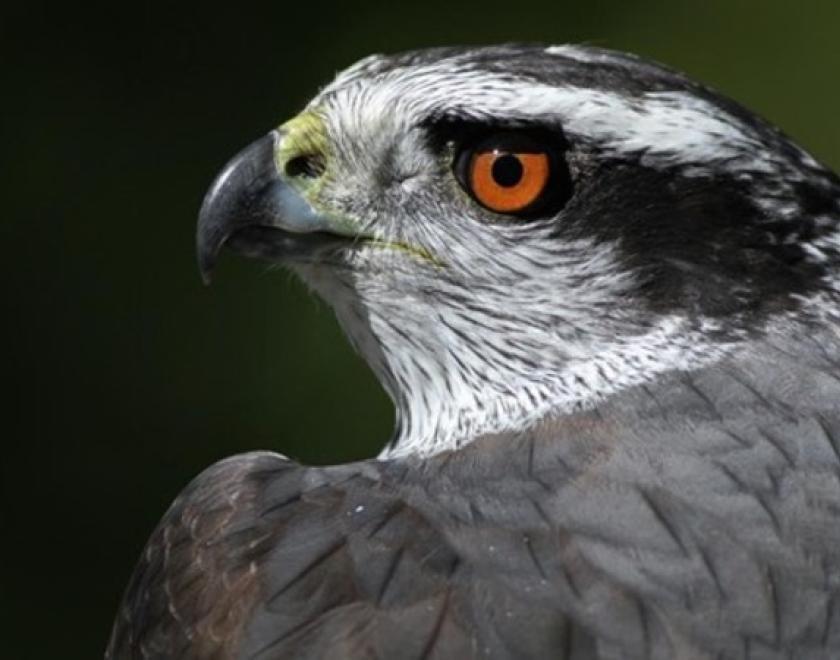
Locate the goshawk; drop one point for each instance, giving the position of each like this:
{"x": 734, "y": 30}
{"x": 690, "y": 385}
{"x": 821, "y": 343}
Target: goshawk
{"x": 604, "y": 300}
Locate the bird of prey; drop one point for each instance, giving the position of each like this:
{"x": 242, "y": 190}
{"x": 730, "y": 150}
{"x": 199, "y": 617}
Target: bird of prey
{"x": 605, "y": 301}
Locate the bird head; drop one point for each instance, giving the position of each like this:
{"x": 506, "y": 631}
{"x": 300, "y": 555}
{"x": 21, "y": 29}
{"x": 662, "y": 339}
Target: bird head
{"x": 517, "y": 232}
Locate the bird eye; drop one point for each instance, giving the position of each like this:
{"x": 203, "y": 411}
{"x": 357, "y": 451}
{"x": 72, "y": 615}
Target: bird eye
{"x": 508, "y": 173}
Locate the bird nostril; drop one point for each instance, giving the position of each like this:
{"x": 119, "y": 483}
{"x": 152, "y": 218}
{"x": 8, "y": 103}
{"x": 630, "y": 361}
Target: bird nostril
{"x": 310, "y": 166}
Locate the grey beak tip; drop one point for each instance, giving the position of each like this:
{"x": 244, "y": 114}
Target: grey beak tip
{"x": 237, "y": 198}
{"x": 206, "y": 249}
{"x": 208, "y": 245}
{"x": 206, "y": 273}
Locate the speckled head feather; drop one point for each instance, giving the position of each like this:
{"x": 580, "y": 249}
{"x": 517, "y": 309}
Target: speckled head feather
{"x": 690, "y": 224}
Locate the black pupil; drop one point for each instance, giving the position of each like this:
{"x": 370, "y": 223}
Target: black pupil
{"x": 507, "y": 170}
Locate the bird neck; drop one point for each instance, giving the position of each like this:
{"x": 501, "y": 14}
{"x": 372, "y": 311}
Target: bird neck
{"x": 453, "y": 379}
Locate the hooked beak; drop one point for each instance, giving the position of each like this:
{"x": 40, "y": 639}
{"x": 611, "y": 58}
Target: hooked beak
{"x": 253, "y": 200}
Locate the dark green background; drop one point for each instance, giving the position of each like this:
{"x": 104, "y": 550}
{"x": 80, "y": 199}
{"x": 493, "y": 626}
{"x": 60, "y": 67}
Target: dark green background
{"x": 124, "y": 375}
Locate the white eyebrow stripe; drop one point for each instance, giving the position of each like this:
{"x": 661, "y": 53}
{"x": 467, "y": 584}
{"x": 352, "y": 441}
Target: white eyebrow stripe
{"x": 669, "y": 128}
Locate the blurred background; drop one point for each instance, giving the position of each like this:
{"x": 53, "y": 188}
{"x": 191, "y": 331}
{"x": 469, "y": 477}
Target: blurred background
{"x": 124, "y": 375}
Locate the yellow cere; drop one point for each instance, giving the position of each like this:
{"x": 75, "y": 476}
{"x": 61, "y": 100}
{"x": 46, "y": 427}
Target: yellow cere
{"x": 303, "y": 135}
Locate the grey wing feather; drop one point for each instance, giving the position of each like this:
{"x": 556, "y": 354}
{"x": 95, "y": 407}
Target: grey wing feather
{"x": 195, "y": 584}
{"x": 262, "y": 558}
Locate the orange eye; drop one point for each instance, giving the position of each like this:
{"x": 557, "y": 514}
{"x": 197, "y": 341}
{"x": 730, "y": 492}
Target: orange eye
{"x": 508, "y": 181}
{"x": 516, "y": 173}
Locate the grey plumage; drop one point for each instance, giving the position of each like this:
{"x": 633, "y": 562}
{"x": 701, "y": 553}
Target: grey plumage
{"x": 680, "y": 501}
